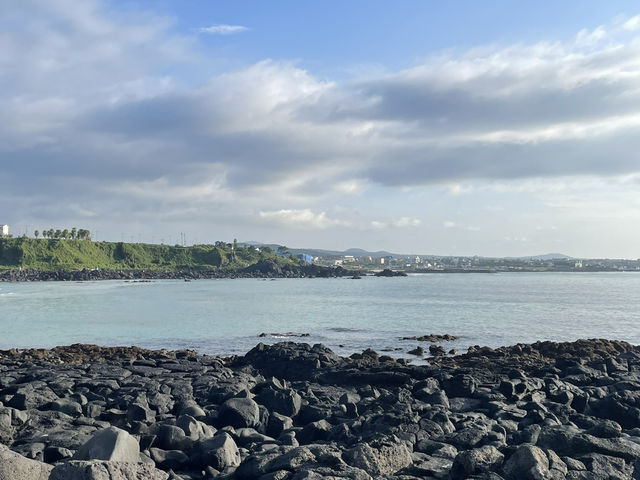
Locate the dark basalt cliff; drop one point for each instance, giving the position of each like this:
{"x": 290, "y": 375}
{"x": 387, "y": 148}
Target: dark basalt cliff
{"x": 262, "y": 269}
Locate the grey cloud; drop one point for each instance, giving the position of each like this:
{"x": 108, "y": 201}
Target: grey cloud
{"x": 259, "y": 127}
{"x": 596, "y": 156}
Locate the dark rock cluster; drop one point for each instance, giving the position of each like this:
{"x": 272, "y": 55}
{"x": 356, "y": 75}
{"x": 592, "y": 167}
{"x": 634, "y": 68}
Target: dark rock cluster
{"x": 263, "y": 269}
{"x": 390, "y": 273}
{"x": 292, "y": 411}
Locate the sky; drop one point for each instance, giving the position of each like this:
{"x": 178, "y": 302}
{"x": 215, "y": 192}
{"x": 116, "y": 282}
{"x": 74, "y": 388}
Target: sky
{"x": 449, "y": 128}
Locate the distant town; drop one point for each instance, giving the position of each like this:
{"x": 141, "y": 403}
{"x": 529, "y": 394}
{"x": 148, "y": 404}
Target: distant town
{"x": 362, "y": 260}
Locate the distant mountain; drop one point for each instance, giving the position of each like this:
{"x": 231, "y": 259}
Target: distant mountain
{"x": 547, "y": 256}
{"x": 359, "y": 252}
{"x": 552, "y": 256}
{"x": 318, "y": 252}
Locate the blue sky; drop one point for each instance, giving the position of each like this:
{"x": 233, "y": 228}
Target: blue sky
{"x": 462, "y": 128}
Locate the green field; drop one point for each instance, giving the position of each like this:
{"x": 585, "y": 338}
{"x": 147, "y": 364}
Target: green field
{"x": 61, "y": 254}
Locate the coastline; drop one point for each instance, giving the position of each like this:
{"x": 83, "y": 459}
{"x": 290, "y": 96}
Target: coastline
{"x": 266, "y": 269}
{"x": 296, "y": 411}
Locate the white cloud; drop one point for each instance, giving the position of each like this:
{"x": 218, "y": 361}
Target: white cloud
{"x": 222, "y": 29}
{"x": 448, "y": 224}
{"x": 406, "y": 222}
{"x": 402, "y": 222}
{"x": 632, "y": 24}
{"x": 304, "y": 219}
{"x": 458, "y": 189}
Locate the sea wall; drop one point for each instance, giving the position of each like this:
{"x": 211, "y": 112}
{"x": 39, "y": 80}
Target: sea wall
{"x": 295, "y": 411}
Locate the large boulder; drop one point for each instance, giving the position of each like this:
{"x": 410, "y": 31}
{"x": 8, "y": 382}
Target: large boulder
{"x": 383, "y": 456}
{"x": 291, "y": 360}
{"x": 284, "y": 401}
{"x": 570, "y": 441}
{"x": 100, "y": 470}
{"x": 219, "y": 452}
{"x": 14, "y": 466}
{"x": 67, "y": 406}
{"x": 527, "y": 463}
{"x": 476, "y": 461}
{"x": 111, "y": 444}
{"x": 28, "y": 396}
{"x": 6, "y": 428}
{"x": 172, "y": 437}
{"x": 239, "y": 413}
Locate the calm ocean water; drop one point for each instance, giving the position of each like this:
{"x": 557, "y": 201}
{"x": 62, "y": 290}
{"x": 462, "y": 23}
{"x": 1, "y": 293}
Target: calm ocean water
{"x": 226, "y": 316}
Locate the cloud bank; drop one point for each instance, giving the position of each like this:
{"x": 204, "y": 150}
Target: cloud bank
{"x": 93, "y": 118}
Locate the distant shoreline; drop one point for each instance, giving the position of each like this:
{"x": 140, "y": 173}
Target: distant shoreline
{"x": 258, "y": 271}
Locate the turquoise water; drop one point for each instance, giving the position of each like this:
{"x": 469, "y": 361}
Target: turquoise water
{"x": 226, "y": 316}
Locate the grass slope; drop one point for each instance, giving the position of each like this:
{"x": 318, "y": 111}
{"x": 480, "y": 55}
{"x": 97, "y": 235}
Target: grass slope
{"x": 58, "y": 254}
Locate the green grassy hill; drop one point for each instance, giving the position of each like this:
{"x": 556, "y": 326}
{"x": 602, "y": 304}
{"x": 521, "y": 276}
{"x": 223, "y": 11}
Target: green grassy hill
{"x": 59, "y": 254}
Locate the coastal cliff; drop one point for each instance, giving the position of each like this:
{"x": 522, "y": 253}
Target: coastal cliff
{"x": 295, "y": 411}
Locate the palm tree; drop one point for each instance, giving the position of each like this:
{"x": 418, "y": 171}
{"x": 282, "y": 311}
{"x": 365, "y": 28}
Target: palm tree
{"x": 65, "y": 234}
{"x": 74, "y": 233}
{"x": 36, "y": 234}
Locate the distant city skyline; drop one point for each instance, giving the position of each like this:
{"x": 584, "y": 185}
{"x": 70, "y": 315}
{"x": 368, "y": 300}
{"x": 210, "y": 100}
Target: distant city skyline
{"x": 501, "y": 129}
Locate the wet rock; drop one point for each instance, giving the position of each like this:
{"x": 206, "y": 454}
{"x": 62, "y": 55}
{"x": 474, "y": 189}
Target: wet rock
{"x": 432, "y": 338}
{"x": 437, "y": 350}
{"x": 461, "y": 385}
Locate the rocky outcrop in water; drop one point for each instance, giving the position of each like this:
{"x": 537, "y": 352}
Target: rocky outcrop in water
{"x": 295, "y": 411}
{"x": 390, "y": 273}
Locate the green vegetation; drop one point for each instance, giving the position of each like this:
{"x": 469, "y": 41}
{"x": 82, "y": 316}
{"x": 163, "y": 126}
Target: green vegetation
{"x": 77, "y": 254}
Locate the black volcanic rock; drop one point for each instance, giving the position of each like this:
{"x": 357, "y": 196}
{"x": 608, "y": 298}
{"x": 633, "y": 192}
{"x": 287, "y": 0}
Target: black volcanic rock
{"x": 390, "y": 273}
{"x": 294, "y": 411}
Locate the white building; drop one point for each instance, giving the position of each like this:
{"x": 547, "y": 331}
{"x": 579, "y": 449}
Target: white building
{"x": 4, "y": 230}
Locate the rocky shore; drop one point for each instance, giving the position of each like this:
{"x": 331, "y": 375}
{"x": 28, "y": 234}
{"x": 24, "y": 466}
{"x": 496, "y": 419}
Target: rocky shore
{"x": 265, "y": 269}
{"x": 294, "y": 411}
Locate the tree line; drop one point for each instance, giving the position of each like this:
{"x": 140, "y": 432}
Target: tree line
{"x": 73, "y": 234}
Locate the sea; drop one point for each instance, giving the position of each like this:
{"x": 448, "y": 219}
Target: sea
{"x": 227, "y": 316}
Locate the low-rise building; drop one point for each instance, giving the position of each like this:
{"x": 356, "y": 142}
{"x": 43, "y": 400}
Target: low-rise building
{"x": 4, "y": 230}
{"x": 305, "y": 257}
